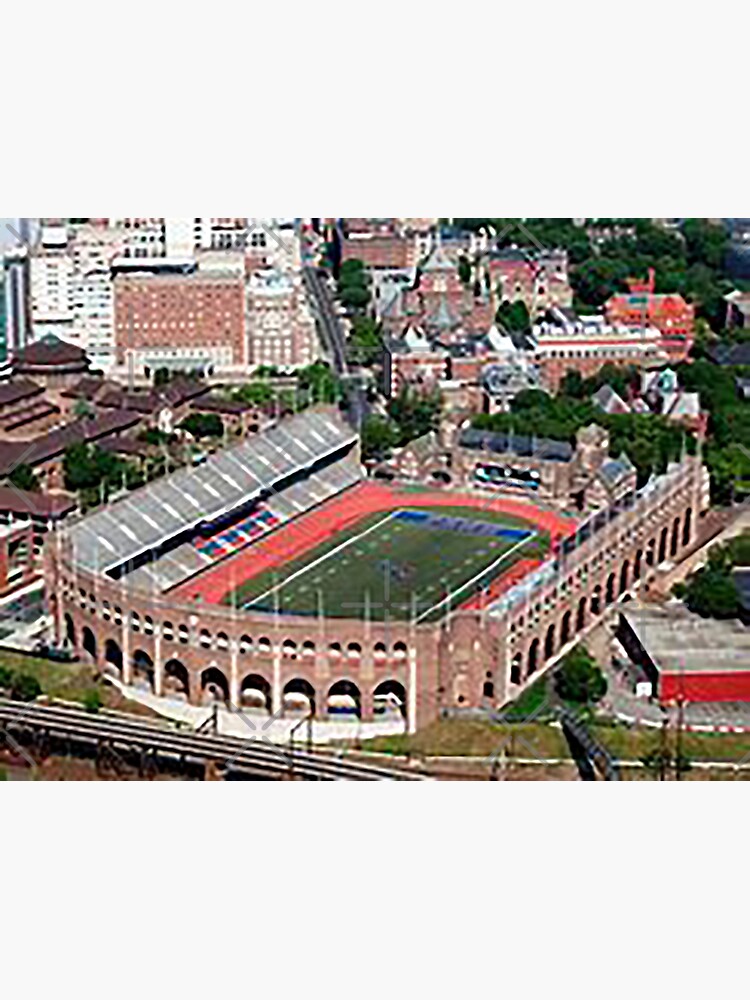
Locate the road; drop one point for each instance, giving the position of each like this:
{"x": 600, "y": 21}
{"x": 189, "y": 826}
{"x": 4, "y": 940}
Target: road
{"x": 334, "y": 342}
{"x": 121, "y": 733}
{"x": 330, "y": 327}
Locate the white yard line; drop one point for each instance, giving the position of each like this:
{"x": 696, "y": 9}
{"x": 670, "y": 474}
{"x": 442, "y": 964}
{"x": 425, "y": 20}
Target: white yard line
{"x": 530, "y": 537}
{"x": 321, "y": 559}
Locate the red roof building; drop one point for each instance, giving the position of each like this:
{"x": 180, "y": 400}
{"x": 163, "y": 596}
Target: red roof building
{"x": 669, "y": 313}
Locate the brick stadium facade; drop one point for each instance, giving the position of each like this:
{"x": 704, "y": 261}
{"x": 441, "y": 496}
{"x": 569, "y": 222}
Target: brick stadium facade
{"x": 476, "y": 657}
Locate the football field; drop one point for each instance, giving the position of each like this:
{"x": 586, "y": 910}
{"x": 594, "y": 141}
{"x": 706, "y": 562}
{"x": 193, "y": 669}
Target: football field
{"x": 407, "y": 563}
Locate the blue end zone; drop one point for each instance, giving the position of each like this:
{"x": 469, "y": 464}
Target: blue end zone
{"x": 460, "y": 524}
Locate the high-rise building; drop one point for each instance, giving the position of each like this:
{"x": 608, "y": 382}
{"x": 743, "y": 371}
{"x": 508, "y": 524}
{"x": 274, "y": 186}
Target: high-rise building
{"x": 280, "y": 326}
{"x": 17, "y": 324}
{"x": 193, "y": 320}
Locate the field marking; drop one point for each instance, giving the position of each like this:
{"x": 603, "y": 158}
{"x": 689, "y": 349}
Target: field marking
{"x": 318, "y": 561}
{"x": 530, "y": 537}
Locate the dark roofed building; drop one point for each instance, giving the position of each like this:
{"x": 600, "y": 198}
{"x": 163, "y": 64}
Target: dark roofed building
{"x": 38, "y": 506}
{"x": 17, "y": 391}
{"x": 151, "y": 401}
{"x": 727, "y": 355}
{"x": 47, "y": 447}
{"x": 51, "y": 360}
{"x": 516, "y": 444}
{"x": 89, "y": 387}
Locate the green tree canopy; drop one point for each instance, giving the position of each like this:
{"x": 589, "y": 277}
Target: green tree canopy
{"x": 378, "y": 437}
{"x": 23, "y": 477}
{"x": 203, "y": 425}
{"x": 579, "y": 679}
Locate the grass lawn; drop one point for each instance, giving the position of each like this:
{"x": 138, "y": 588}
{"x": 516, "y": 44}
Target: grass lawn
{"x": 69, "y": 681}
{"x": 474, "y": 738}
{"x": 627, "y": 743}
{"x": 530, "y": 702}
{"x": 395, "y": 566}
{"x": 480, "y": 739}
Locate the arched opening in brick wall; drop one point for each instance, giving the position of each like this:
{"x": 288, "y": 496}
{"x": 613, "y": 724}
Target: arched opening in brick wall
{"x": 596, "y": 600}
{"x": 255, "y": 692}
{"x": 581, "y": 615}
{"x": 298, "y": 697}
{"x": 624, "y": 577}
{"x": 610, "y": 591}
{"x": 687, "y": 526}
{"x": 214, "y": 686}
{"x": 143, "y": 669}
{"x": 651, "y": 552}
{"x": 343, "y": 699}
{"x": 516, "y": 665}
{"x": 549, "y": 642}
{"x": 70, "y": 631}
{"x": 533, "y": 658}
{"x": 637, "y": 564}
{"x": 88, "y": 642}
{"x": 663, "y": 545}
{"x": 176, "y": 678}
{"x": 565, "y": 627}
{"x": 112, "y": 658}
{"x": 389, "y": 698}
{"x": 675, "y": 542}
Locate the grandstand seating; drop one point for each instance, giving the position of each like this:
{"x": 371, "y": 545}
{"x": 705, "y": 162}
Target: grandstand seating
{"x": 284, "y": 504}
{"x": 149, "y": 517}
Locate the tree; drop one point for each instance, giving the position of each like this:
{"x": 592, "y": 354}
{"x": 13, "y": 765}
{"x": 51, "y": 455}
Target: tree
{"x": 514, "y": 316}
{"x": 23, "y": 477}
{"x": 579, "y": 679}
{"x": 6, "y": 678}
{"x": 320, "y": 382}
{"x": 83, "y": 409}
{"x": 712, "y": 593}
{"x": 203, "y": 425}
{"x": 90, "y": 469}
{"x": 464, "y": 270}
{"x": 365, "y": 345}
{"x": 255, "y": 393}
{"x": 25, "y": 687}
{"x": 354, "y": 296}
{"x": 573, "y": 384}
{"x": 378, "y": 437}
{"x": 414, "y": 414}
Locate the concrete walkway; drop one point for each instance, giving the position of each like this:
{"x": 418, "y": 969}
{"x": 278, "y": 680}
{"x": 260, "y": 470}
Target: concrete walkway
{"x": 253, "y": 724}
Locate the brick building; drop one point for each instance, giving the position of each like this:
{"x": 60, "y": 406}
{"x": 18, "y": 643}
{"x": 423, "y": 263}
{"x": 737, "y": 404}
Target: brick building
{"x": 539, "y": 280}
{"x": 670, "y": 314}
{"x": 564, "y": 342}
{"x": 378, "y": 249}
{"x": 196, "y": 319}
{"x": 280, "y": 325}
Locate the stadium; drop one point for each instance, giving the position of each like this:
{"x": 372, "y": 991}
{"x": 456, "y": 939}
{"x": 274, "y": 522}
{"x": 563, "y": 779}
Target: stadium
{"x": 275, "y": 576}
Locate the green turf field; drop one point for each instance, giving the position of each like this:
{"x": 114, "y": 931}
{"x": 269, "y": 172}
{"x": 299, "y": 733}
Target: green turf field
{"x": 387, "y": 568}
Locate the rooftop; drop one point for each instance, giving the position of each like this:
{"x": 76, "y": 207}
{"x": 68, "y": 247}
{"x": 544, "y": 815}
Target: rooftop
{"x": 678, "y": 641}
{"x": 35, "y": 451}
{"x": 516, "y": 444}
{"x": 50, "y": 352}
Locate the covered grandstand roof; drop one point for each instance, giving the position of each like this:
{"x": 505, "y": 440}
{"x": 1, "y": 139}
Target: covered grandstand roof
{"x": 152, "y": 515}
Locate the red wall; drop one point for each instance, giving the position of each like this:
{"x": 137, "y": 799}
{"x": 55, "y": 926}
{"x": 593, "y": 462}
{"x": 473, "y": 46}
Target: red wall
{"x": 733, "y": 686}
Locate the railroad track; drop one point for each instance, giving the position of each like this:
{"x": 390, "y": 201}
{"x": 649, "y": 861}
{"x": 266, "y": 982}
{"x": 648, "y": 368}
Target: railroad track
{"x": 117, "y": 732}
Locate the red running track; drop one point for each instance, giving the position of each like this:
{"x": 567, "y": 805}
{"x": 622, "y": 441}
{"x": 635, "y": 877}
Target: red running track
{"x": 335, "y": 515}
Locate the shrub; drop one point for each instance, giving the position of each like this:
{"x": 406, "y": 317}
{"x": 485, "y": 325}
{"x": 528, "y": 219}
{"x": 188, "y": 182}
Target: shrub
{"x": 25, "y": 687}
{"x": 92, "y": 700}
